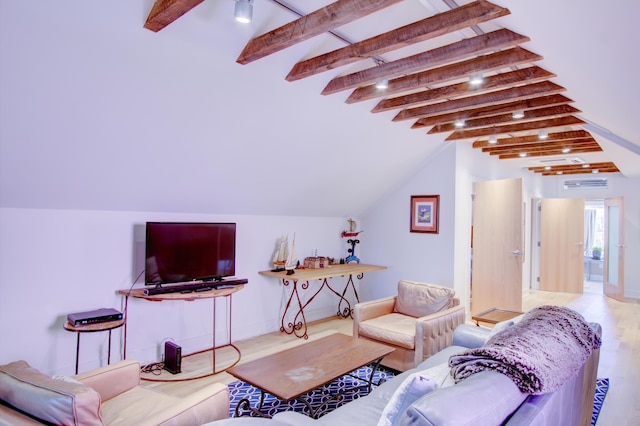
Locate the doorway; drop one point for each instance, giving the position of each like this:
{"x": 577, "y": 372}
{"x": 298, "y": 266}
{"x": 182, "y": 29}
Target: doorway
{"x": 592, "y": 251}
{"x": 594, "y": 245}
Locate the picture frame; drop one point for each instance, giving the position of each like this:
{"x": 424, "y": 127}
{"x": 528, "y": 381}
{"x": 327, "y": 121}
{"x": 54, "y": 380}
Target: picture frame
{"x": 425, "y": 213}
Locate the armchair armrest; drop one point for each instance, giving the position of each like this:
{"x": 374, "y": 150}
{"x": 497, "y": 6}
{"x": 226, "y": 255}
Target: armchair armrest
{"x": 112, "y": 380}
{"x": 435, "y": 332}
{"x": 470, "y": 336}
{"x": 366, "y": 310}
{"x": 203, "y": 406}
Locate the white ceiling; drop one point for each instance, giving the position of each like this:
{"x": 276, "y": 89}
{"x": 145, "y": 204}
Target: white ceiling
{"x": 97, "y": 112}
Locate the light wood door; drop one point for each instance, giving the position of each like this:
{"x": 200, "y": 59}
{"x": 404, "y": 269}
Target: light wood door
{"x": 614, "y": 248}
{"x": 562, "y": 245}
{"x": 498, "y": 225}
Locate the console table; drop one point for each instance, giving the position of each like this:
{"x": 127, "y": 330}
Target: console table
{"x": 298, "y": 326}
{"x": 92, "y": 328}
{"x": 213, "y": 294}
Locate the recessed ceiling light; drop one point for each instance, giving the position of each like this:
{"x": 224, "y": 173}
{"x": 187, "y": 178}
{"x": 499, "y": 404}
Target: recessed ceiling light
{"x": 523, "y": 154}
{"x": 382, "y": 84}
{"x": 559, "y": 172}
{"x": 595, "y": 171}
{"x": 542, "y": 134}
{"x": 459, "y": 123}
{"x": 476, "y": 80}
{"x": 566, "y": 150}
{"x": 547, "y": 167}
{"x": 493, "y": 140}
{"x": 585, "y": 165}
{"x": 518, "y": 114}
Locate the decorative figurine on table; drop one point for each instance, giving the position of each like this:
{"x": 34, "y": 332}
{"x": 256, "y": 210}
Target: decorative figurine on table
{"x": 285, "y": 256}
{"x": 351, "y": 233}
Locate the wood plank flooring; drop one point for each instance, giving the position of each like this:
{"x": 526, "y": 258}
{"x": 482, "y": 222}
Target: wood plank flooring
{"x": 619, "y": 356}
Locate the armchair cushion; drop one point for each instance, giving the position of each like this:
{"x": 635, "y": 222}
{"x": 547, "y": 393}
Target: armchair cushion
{"x": 420, "y": 299}
{"x": 60, "y": 402}
{"x": 397, "y": 329}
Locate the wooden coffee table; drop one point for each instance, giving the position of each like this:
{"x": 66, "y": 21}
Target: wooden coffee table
{"x": 494, "y": 316}
{"x": 292, "y": 373}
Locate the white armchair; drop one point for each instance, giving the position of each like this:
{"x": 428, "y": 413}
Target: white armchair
{"x": 418, "y": 322}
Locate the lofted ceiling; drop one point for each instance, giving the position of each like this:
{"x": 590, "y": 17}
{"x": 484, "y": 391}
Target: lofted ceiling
{"x": 428, "y": 52}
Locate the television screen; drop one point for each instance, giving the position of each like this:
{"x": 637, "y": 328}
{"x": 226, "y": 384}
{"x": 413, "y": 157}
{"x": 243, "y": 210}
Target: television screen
{"x": 181, "y": 252}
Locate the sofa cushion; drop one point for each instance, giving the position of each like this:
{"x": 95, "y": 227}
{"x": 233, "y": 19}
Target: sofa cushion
{"x": 419, "y": 299}
{"x": 485, "y": 399}
{"x": 396, "y": 329}
{"x": 412, "y": 388}
{"x": 56, "y": 401}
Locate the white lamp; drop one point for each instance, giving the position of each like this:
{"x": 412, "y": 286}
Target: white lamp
{"x": 243, "y": 11}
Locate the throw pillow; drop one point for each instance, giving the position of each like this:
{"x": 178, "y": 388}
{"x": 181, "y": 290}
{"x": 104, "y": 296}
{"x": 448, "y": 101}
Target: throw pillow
{"x": 412, "y": 388}
{"x": 419, "y": 299}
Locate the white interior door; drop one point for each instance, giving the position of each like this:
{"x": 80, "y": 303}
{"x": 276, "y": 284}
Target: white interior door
{"x": 562, "y": 245}
{"x": 613, "y": 285}
{"x": 498, "y": 230}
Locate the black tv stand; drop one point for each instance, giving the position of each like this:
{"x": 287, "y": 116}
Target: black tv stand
{"x": 196, "y": 286}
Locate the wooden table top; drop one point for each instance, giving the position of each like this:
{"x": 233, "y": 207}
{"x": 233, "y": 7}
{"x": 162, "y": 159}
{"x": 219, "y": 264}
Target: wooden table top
{"x": 209, "y": 294}
{"x": 296, "y": 371}
{"x": 495, "y": 315}
{"x": 330, "y": 271}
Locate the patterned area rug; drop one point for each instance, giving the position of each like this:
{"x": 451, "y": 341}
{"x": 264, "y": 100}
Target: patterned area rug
{"x": 239, "y": 390}
{"x": 602, "y": 386}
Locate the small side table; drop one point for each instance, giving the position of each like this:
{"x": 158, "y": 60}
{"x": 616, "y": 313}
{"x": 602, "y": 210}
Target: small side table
{"x": 92, "y": 328}
{"x": 494, "y": 316}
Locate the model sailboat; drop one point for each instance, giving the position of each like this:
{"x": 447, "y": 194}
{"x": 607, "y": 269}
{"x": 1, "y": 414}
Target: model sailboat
{"x": 292, "y": 261}
{"x": 285, "y": 256}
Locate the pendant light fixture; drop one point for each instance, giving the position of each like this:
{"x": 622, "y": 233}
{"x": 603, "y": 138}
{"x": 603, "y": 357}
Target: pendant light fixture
{"x": 243, "y": 11}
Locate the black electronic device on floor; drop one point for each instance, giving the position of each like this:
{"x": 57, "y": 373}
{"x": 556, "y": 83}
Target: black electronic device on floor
{"x": 172, "y": 358}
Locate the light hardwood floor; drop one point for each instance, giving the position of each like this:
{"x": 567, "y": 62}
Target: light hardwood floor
{"x": 619, "y": 356}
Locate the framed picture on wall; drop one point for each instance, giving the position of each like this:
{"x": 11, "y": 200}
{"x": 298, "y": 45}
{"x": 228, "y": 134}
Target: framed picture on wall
{"x": 425, "y": 210}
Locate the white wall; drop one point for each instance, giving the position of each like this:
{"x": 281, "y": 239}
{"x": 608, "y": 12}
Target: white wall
{"x": 445, "y": 258}
{"x": 53, "y": 262}
{"x": 386, "y": 239}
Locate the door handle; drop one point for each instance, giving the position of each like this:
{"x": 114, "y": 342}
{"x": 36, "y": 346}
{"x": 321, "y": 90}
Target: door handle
{"x": 517, "y": 252}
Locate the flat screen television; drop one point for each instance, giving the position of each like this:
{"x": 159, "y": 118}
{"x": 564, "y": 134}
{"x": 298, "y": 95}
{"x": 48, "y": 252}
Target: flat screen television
{"x": 177, "y": 252}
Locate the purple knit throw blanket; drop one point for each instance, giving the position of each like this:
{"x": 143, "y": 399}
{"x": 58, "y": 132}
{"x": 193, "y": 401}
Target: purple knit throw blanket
{"x": 540, "y": 353}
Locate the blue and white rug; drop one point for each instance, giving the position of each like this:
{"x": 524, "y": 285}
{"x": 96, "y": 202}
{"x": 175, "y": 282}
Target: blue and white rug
{"x": 239, "y": 390}
{"x": 602, "y": 386}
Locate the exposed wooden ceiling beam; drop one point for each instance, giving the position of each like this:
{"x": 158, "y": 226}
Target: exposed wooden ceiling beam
{"x": 536, "y": 114}
{"x": 443, "y": 55}
{"x": 514, "y": 128}
{"x": 165, "y": 12}
{"x": 499, "y": 81}
{"x": 485, "y": 100}
{"x": 557, "y": 136}
{"x": 320, "y": 21}
{"x": 455, "y": 70}
{"x": 542, "y": 146}
{"x": 550, "y": 153}
{"x": 493, "y": 110}
{"x": 601, "y": 167}
{"x": 434, "y": 26}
